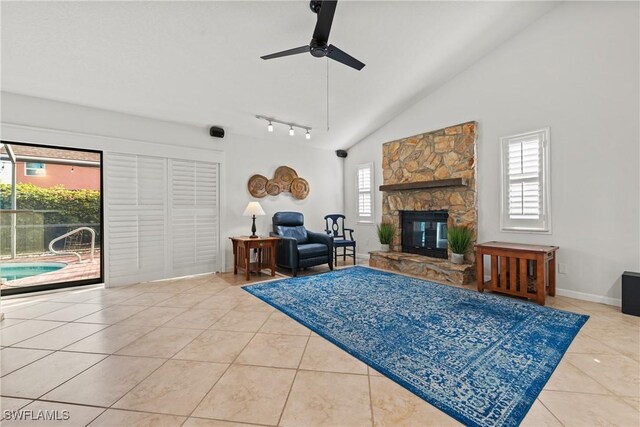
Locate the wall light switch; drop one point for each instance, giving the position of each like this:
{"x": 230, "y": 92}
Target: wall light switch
{"x": 562, "y": 268}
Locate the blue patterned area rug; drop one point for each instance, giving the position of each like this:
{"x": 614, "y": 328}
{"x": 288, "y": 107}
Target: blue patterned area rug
{"x": 481, "y": 358}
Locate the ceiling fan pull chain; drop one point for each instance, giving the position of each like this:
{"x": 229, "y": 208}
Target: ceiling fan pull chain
{"x": 327, "y": 94}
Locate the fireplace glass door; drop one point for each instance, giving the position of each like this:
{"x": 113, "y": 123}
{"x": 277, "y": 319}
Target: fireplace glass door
{"x": 425, "y": 233}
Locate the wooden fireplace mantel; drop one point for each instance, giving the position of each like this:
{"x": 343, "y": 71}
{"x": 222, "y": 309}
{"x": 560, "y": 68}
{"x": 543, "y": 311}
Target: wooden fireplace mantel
{"x": 452, "y": 182}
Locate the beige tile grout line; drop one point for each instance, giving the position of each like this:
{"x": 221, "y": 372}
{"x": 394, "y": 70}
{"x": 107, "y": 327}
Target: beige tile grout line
{"x": 615, "y": 396}
{"x": 63, "y": 308}
{"x": 40, "y": 358}
{"x": 582, "y": 392}
{"x": 113, "y": 354}
{"x": 63, "y": 323}
{"x": 613, "y": 393}
{"x": 29, "y": 402}
{"x": 162, "y": 325}
{"x": 373, "y": 422}
{"x": 225, "y": 371}
{"x": 16, "y": 346}
{"x": 578, "y": 308}
{"x": 38, "y": 399}
{"x": 166, "y": 360}
{"x": 545, "y": 406}
{"x": 306, "y": 344}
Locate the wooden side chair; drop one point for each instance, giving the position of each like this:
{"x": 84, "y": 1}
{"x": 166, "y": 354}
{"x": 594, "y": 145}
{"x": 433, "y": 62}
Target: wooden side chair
{"x": 334, "y": 226}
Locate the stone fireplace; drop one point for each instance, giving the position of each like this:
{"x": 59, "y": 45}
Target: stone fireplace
{"x": 430, "y": 172}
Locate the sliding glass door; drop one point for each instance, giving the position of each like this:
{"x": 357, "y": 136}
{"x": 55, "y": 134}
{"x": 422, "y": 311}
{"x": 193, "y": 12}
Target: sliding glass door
{"x": 50, "y": 217}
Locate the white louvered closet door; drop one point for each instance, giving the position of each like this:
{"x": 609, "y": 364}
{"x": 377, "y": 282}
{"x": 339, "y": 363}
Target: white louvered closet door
{"x": 136, "y": 220}
{"x": 194, "y": 215}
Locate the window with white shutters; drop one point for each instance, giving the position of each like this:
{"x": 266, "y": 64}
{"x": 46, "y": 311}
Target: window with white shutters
{"x": 525, "y": 182}
{"x": 365, "y": 192}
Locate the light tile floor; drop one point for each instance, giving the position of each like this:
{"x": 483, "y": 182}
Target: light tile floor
{"x": 202, "y": 352}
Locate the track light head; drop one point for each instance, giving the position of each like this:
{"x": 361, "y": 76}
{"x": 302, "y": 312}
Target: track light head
{"x": 270, "y": 122}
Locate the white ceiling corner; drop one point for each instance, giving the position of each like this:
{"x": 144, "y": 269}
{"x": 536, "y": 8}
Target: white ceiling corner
{"x": 199, "y": 62}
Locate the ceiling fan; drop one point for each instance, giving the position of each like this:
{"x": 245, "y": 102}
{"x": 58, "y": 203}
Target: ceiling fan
{"x": 318, "y": 47}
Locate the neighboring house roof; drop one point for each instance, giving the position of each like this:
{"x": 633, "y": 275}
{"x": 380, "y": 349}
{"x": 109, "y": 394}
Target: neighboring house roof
{"x": 51, "y": 153}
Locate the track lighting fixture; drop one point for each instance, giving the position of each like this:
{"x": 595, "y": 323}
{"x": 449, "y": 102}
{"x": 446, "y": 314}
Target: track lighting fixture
{"x": 270, "y": 121}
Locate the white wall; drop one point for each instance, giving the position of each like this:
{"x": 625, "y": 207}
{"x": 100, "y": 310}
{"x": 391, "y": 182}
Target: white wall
{"x": 248, "y": 156}
{"x": 40, "y": 121}
{"x": 576, "y": 71}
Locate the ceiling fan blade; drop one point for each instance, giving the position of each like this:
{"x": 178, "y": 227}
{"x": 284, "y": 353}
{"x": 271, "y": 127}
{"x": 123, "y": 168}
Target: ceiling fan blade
{"x": 294, "y": 51}
{"x": 325, "y": 19}
{"x": 343, "y": 57}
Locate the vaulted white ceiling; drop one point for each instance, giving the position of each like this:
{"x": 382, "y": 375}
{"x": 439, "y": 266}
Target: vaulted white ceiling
{"x": 199, "y": 62}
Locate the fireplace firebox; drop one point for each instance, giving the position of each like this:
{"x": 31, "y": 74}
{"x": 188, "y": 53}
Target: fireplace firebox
{"x": 425, "y": 232}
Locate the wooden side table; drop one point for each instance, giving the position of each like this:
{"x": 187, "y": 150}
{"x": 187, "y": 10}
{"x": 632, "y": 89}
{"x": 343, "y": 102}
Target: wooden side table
{"x": 266, "y": 247}
{"x": 509, "y": 269}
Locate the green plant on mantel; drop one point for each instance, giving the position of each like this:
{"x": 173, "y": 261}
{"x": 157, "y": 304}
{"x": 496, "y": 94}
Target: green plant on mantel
{"x": 386, "y": 231}
{"x": 460, "y": 239}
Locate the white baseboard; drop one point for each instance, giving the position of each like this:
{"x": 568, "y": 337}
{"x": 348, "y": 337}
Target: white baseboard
{"x": 617, "y": 302}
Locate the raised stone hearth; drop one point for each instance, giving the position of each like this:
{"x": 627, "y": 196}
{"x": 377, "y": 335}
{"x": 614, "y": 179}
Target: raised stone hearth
{"x": 415, "y": 171}
{"x": 438, "y": 270}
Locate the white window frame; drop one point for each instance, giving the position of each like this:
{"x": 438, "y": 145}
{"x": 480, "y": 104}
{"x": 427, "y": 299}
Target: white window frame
{"x": 27, "y": 168}
{"x": 541, "y": 225}
{"x": 365, "y": 219}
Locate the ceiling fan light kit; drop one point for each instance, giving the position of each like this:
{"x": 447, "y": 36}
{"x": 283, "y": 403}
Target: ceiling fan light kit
{"x": 318, "y": 46}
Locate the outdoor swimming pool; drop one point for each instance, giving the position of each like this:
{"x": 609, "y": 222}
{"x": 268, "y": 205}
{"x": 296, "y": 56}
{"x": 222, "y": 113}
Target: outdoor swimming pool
{"x": 20, "y": 270}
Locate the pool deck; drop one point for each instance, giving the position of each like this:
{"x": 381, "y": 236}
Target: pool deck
{"x": 74, "y": 270}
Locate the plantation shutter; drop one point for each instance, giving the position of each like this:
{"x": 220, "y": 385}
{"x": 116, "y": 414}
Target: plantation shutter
{"x": 525, "y": 183}
{"x": 524, "y": 171}
{"x": 365, "y": 192}
{"x": 135, "y": 204}
{"x": 162, "y": 218}
{"x": 194, "y": 216}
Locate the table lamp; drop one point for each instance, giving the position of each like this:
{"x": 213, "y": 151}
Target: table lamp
{"x": 253, "y": 209}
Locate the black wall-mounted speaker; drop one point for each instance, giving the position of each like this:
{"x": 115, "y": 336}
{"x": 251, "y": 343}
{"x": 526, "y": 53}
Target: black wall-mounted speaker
{"x": 341, "y": 153}
{"x": 216, "y": 132}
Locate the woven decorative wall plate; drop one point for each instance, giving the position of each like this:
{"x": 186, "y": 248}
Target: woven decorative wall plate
{"x": 257, "y": 186}
{"x": 285, "y": 180}
{"x": 299, "y": 188}
{"x": 284, "y": 176}
{"x": 273, "y": 189}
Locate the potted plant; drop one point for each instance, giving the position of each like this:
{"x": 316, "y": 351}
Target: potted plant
{"x": 459, "y": 242}
{"x": 386, "y": 232}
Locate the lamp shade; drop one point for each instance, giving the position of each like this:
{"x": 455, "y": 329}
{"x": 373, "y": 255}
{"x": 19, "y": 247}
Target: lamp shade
{"x": 253, "y": 208}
